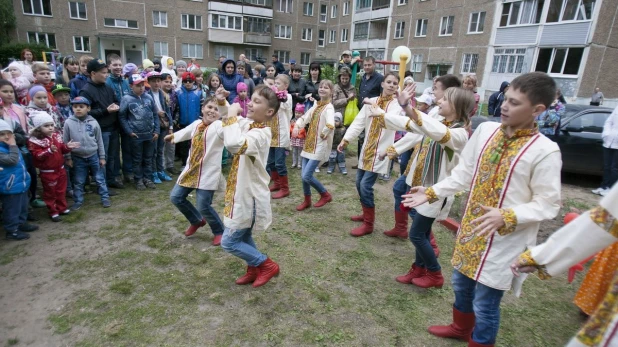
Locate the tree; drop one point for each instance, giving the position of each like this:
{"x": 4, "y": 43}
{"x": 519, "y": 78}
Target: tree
{"x": 7, "y": 20}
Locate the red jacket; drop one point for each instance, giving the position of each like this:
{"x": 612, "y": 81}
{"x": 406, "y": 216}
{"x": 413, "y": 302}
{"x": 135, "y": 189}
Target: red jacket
{"x": 43, "y": 156}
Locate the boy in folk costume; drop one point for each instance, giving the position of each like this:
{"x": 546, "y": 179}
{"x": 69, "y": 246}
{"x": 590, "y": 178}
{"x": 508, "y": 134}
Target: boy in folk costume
{"x": 247, "y": 197}
{"x": 279, "y": 126}
{"x": 513, "y": 173}
{"x": 377, "y": 140}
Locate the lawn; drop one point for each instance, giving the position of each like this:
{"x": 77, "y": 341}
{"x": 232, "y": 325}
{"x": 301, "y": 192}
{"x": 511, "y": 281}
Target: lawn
{"x": 127, "y": 276}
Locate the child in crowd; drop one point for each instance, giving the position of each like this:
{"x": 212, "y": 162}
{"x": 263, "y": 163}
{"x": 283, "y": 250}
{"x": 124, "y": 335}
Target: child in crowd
{"x": 169, "y": 150}
{"x": 168, "y": 67}
{"x": 42, "y": 76}
{"x": 139, "y": 119}
{"x": 298, "y": 141}
{"x": 165, "y": 126}
{"x": 90, "y": 156}
{"x": 79, "y": 81}
{"x": 129, "y": 70}
{"x": 147, "y": 66}
{"x": 337, "y": 158}
{"x": 199, "y": 80}
{"x": 241, "y": 99}
{"x": 20, "y": 82}
{"x": 247, "y": 197}
{"x": 14, "y": 183}
{"x": 269, "y": 81}
{"x": 280, "y": 142}
{"x": 203, "y": 170}
{"x": 63, "y": 98}
{"x": 190, "y": 99}
{"x": 48, "y": 152}
{"x": 181, "y": 68}
{"x": 469, "y": 82}
{"x": 212, "y": 84}
{"x": 12, "y": 109}
{"x": 39, "y": 103}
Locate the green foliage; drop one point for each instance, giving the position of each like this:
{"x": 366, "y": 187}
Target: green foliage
{"x": 7, "y": 20}
{"x": 329, "y": 72}
{"x": 13, "y": 50}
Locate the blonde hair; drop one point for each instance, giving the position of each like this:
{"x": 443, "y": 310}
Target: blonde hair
{"x": 283, "y": 78}
{"x": 462, "y": 101}
{"x": 85, "y": 59}
{"x": 330, "y": 86}
{"x": 40, "y": 67}
{"x": 471, "y": 78}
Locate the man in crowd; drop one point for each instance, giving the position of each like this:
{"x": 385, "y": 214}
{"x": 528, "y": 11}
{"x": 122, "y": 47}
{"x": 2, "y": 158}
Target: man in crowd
{"x": 279, "y": 68}
{"x": 369, "y": 88}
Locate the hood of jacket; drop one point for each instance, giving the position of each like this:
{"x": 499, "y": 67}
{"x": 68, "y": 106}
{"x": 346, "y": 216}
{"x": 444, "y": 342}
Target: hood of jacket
{"x": 504, "y": 85}
{"x": 223, "y": 67}
{"x": 164, "y": 68}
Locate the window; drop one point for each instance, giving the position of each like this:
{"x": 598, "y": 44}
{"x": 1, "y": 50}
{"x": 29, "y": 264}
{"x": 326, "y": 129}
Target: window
{"x": 307, "y": 8}
{"x": 307, "y": 34}
{"x": 521, "y": 12}
{"x": 563, "y": 10}
{"x": 469, "y": 62}
{"x": 191, "y": 50}
{"x": 344, "y": 35}
{"x": 346, "y": 8}
{"x": 363, "y": 5}
{"x": 159, "y": 19}
{"x": 361, "y": 31}
{"x": 333, "y": 36}
{"x": 421, "y": 28}
{"x": 42, "y": 38}
{"x": 160, "y": 49}
{"x": 402, "y": 2}
{"x": 283, "y": 56}
{"x": 77, "y": 10}
{"x": 257, "y": 25}
{"x": 81, "y": 44}
{"x": 191, "y": 22}
{"x": 305, "y": 58}
{"x": 323, "y": 13}
{"x": 563, "y": 61}
{"x": 417, "y": 62}
{"x": 120, "y": 23}
{"x": 37, "y": 7}
{"x": 333, "y": 11}
{"x": 399, "y": 29}
{"x": 435, "y": 70}
{"x": 321, "y": 38}
{"x": 284, "y": 6}
{"x": 225, "y": 22}
{"x": 253, "y": 53}
{"x": 283, "y": 31}
{"x": 446, "y": 26}
{"x": 508, "y": 60}
{"x": 589, "y": 122}
{"x": 477, "y": 22}
{"x": 224, "y": 51}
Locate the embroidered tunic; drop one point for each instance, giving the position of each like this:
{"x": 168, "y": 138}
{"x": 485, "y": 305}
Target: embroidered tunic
{"x": 519, "y": 175}
{"x": 280, "y": 125}
{"x": 203, "y": 169}
{"x": 321, "y": 120}
{"x": 377, "y": 137}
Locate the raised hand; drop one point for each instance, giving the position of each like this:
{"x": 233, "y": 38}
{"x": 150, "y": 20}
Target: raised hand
{"x": 221, "y": 94}
{"x": 406, "y": 94}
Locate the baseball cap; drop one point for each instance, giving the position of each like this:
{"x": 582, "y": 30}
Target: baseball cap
{"x": 153, "y": 74}
{"x": 60, "y": 88}
{"x": 136, "y": 79}
{"x": 426, "y": 99}
{"x": 187, "y": 76}
{"x": 292, "y": 61}
{"x": 95, "y": 65}
{"x": 80, "y": 100}
{"x": 347, "y": 52}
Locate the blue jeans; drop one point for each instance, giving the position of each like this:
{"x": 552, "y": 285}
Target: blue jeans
{"x": 471, "y": 296}
{"x": 610, "y": 167}
{"x": 276, "y": 161}
{"x": 81, "y": 168}
{"x": 364, "y": 185}
{"x": 127, "y": 158}
{"x": 400, "y": 188}
{"x": 239, "y": 242}
{"x": 157, "y": 164}
{"x": 111, "y": 143}
{"x": 14, "y": 210}
{"x": 142, "y": 151}
{"x": 404, "y": 158}
{"x": 178, "y": 196}
{"x": 336, "y": 158}
{"x": 419, "y": 235}
{"x": 308, "y": 179}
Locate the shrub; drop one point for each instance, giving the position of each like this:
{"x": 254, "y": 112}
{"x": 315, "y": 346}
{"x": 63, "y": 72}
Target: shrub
{"x": 13, "y": 51}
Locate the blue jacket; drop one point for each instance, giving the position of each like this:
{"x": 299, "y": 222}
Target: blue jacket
{"x": 14, "y": 179}
{"x": 189, "y": 103}
{"x": 164, "y": 104}
{"x": 138, "y": 114}
{"x": 495, "y": 101}
{"x": 77, "y": 83}
{"x": 229, "y": 82}
{"x": 119, "y": 85}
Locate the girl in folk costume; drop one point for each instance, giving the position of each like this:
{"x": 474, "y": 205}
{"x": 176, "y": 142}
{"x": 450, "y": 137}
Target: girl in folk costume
{"x": 377, "y": 140}
{"x": 438, "y": 144}
{"x": 279, "y": 126}
{"x": 202, "y": 172}
{"x": 247, "y": 197}
{"x": 298, "y": 141}
{"x": 321, "y": 121}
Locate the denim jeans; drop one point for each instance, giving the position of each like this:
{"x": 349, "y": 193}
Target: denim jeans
{"x": 404, "y": 158}
{"x": 336, "y": 158}
{"x": 127, "y": 158}
{"x": 14, "y": 210}
{"x": 239, "y": 242}
{"x": 142, "y": 151}
{"x": 83, "y": 166}
{"x": 157, "y": 163}
{"x": 364, "y": 185}
{"x": 178, "y": 196}
{"x": 400, "y": 188}
{"x": 308, "y": 179}
{"x": 276, "y": 161}
{"x": 419, "y": 235}
{"x": 111, "y": 142}
{"x": 610, "y": 167}
{"x": 471, "y": 296}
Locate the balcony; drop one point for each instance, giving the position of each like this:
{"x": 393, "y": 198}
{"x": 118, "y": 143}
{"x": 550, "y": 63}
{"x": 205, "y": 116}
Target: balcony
{"x": 225, "y": 36}
{"x": 370, "y": 35}
{"x": 257, "y": 30}
{"x": 368, "y": 9}
{"x": 246, "y": 7}
{"x": 261, "y": 3}
{"x": 380, "y": 4}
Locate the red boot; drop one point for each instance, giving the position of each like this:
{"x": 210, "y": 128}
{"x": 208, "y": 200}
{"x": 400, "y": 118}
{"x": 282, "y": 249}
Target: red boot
{"x": 367, "y": 227}
{"x": 266, "y": 271}
{"x": 473, "y": 343}
{"x": 305, "y": 204}
{"x": 415, "y": 272}
{"x": 284, "y": 188}
{"x": 216, "y": 241}
{"x": 325, "y": 198}
{"x": 274, "y": 176}
{"x": 434, "y": 244}
{"x": 249, "y": 277}
{"x": 461, "y": 328}
{"x": 401, "y": 226}
{"x": 429, "y": 280}
{"x": 360, "y": 217}
{"x": 193, "y": 227}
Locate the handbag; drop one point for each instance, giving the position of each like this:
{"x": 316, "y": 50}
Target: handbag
{"x": 351, "y": 110}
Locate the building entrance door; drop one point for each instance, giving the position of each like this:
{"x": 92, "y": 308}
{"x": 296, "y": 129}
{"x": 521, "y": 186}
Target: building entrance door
{"x": 134, "y": 57}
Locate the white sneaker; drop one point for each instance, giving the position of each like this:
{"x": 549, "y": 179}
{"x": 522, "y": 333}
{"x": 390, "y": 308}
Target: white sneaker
{"x": 604, "y": 192}
{"x": 317, "y": 169}
{"x": 598, "y": 191}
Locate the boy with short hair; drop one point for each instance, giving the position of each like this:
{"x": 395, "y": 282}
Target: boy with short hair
{"x": 63, "y": 98}
{"x": 337, "y": 158}
{"x": 42, "y": 76}
{"x": 165, "y": 120}
{"x": 513, "y": 172}
{"x": 280, "y": 142}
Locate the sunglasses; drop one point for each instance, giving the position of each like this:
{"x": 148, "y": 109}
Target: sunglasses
{"x": 187, "y": 81}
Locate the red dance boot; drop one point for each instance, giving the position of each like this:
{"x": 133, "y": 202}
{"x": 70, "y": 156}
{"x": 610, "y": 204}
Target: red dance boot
{"x": 461, "y": 328}
{"x": 274, "y": 176}
{"x": 367, "y": 227}
{"x": 266, "y": 271}
{"x": 434, "y": 244}
{"x": 401, "y": 226}
{"x": 193, "y": 228}
{"x": 284, "y": 188}
{"x": 249, "y": 277}
{"x": 360, "y": 217}
{"x": 305, "y": 204}
{"x": 473, "y": 343}
{"x": 325, "y": 198}
{"x": 216, "y": 241}
{"x": 429, "y": 280}
{"x": 415, "y": 272}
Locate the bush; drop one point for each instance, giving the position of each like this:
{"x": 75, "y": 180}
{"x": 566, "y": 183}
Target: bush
{"x": 13, "y": 51}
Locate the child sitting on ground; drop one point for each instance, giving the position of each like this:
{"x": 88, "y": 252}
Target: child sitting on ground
{"x": 241, "y": 98}
{"x": 337, "y": 158}
{"x": 48, "y": 151}
{"x": 297, "y": 142}
{"x": 39, "y": 103}
{"x": 20, "y": 82}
